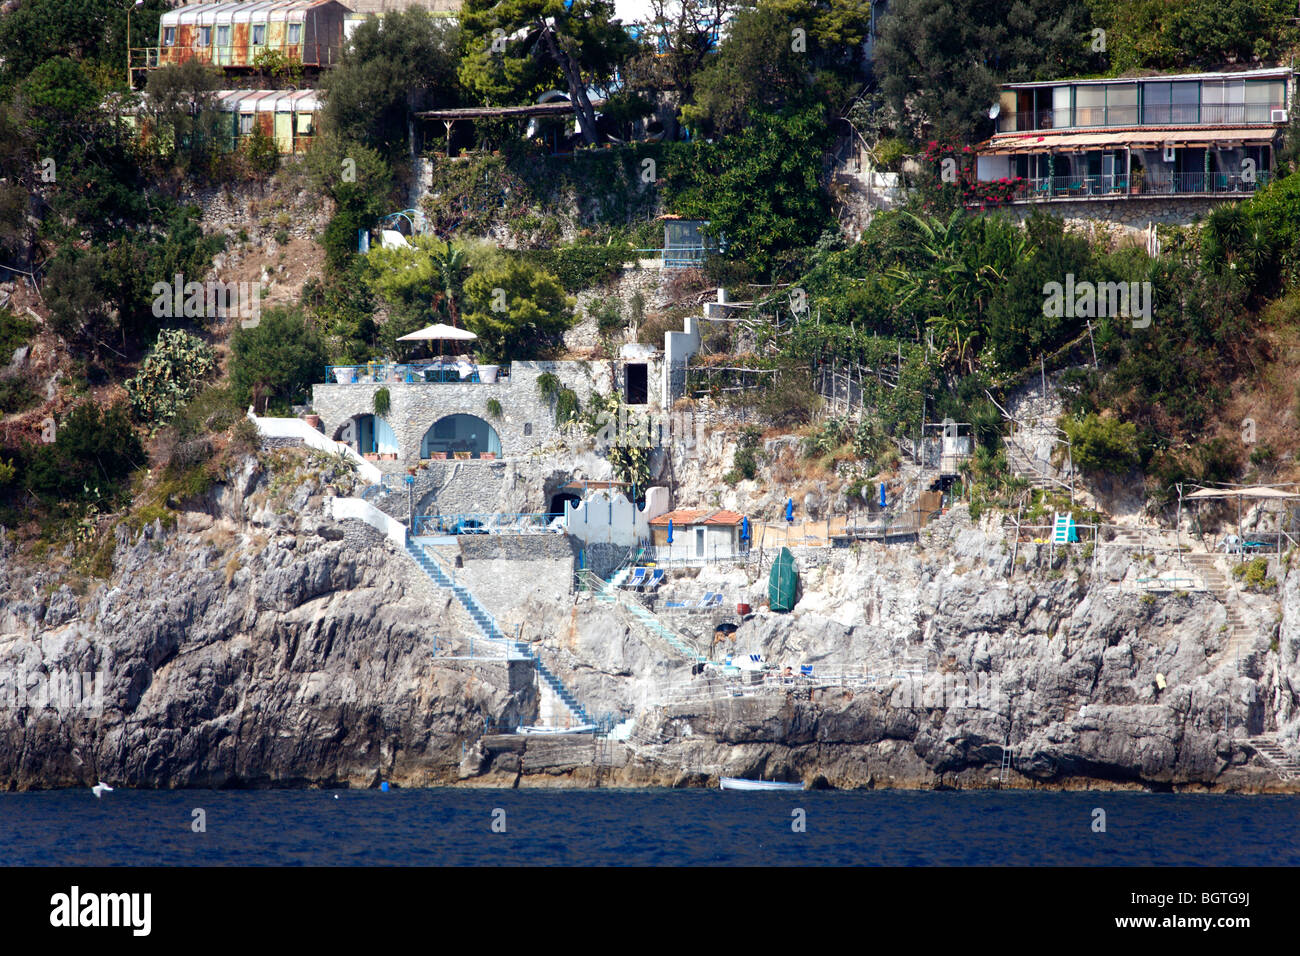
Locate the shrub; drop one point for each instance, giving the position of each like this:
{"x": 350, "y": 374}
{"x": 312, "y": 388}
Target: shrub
{"x": 517, "y": 310}
{"x": 15, "y": 331}
{"x": 1102, "y": 444}
{"x": 580, "y": 267}
{"x": 744, "y": 462}
{"x": 493, "y": 408}
{"x": 170, "y": 375}
{"x": 17, "y": 393}
{"x": 275, "y": 361}
{"x": 1254, "y": 575}
{"x": 93, "y": 452}
{"x": 383, "y": 401}
{"x": 566, "y": 406}
{"x": 548, "y": 386}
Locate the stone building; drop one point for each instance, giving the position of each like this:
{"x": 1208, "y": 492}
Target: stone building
{"x": 507, "y": 418}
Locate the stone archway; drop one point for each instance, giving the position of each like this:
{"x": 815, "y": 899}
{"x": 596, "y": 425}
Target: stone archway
{"x": 460, "y": 433}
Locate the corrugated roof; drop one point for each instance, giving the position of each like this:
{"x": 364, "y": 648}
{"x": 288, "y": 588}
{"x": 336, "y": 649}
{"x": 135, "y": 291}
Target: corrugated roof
{"x": 268, "y": 101}
{"x": 691, "y": 516}
{"x": 245, "y": 11}
{"x": 1131, "y": 137}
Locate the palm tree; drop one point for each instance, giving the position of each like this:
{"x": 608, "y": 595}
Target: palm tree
{"x": 449, "y": 273}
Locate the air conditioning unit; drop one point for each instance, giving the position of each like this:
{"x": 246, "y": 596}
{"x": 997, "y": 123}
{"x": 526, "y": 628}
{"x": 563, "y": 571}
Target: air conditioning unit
{"x": 1277, "y": 116}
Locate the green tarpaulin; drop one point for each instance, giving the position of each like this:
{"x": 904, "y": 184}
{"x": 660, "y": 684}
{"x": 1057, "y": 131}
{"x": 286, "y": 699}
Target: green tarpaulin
{"x": 783, "y": 582}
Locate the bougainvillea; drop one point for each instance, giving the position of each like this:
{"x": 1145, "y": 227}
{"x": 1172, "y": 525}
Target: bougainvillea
{"x": 961, "y": 175}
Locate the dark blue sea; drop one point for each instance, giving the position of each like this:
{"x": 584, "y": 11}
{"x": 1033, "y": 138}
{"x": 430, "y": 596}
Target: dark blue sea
{"x": 644, "y": 827}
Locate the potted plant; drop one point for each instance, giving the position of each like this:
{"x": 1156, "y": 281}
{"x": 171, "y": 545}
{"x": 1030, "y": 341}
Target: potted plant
{"x": 488, "y": 455}
{"x": 372, "y": 456}
{"x": 1139, "y": 181}
{"x": 462, "y": 456}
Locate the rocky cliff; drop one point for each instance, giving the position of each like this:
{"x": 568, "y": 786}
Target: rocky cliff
{"x": 261, "y": 643}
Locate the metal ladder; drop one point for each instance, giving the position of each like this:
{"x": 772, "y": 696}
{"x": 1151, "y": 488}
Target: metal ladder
{"x": 1006, "y": 767}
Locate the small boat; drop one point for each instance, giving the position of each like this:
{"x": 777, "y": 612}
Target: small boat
{"x": 740, "y": 783}
{"x": 577, "y": 729}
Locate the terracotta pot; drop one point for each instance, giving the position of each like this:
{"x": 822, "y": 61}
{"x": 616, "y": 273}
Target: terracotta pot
{"x": 462, "y": 455}
{"x": 488, "y": 455}
{"x": 372, "y": 456}
{"x": 312, "y": 420}
{"x": 388, "y": 456}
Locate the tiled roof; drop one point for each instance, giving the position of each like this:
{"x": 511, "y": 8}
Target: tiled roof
{"x": 689, "y": 516}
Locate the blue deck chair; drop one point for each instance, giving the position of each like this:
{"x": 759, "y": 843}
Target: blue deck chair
{"x": 706, "y": 601}
{"x": 805, "y": 670}
{"x": 635, "y": 579}
{"x": 655, "y": 577}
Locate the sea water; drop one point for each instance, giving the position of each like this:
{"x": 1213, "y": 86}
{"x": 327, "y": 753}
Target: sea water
{"x": 644, "y": 827}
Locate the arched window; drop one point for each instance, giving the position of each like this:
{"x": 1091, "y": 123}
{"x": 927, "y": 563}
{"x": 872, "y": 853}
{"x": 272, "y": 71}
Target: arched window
{"x": 460, "y": 433}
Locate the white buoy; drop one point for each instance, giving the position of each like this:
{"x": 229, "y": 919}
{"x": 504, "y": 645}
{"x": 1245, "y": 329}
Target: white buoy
{"x": 100, "y": 789}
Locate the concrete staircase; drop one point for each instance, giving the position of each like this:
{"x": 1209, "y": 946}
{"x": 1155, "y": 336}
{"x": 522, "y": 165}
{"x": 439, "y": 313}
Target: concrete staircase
{"x": 1272, "y": 753}
{"x": 607, "y": 593}
{"x": 487, "y": 627}
{"x": 1240, "y": 631}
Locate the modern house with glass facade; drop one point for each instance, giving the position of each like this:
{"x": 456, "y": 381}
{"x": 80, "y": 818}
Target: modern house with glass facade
{"x": 1202, "y": 134}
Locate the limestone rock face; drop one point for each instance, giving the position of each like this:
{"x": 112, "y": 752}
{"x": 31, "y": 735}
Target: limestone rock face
{"x": 288, "y": 651}
{"x": 261, "y": 643}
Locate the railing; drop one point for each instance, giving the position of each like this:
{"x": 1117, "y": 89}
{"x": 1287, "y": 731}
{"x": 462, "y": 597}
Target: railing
{"x": 723, "y": 683}
{"x": 1151, "y": 114}
{"x": 230, "y": 54}
{"x": 678, "y": 257}
{"x": 410, "y": 372}
{"x": 488, "y": 523}
{"x": 1154, "y": 184}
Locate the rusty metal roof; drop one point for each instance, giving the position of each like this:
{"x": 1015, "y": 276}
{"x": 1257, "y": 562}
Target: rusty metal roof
{"x": 247, "y": 11}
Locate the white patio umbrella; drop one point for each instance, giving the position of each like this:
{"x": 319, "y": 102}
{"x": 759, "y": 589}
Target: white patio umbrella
{"x": 439, "y": 332}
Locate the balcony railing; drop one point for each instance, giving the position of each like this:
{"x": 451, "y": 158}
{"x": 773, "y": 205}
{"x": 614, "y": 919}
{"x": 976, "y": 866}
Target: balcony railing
{"x": 1164, "y": 114}
{"x": 1156, "y": 183}
{"x": 488, "y": 523}
{"x": 411, "y": 373}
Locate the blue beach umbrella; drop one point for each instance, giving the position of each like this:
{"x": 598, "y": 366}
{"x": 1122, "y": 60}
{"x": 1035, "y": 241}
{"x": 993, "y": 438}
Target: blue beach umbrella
{"x": 670, "y": 530}
{"x": 789, "y": 509}
{"x": 882, "y": 494}
{"x": 744, "y": 528}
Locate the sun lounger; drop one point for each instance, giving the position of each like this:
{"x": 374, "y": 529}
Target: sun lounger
{"x": 635, "y": 579}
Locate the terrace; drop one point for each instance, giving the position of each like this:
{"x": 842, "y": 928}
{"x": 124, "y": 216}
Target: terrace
{"x": 1207, "y": 135}
{"x": 411, "y": 373}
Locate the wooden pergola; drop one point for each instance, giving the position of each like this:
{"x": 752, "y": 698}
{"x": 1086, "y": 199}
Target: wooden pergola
{"x": 451, "y": 115}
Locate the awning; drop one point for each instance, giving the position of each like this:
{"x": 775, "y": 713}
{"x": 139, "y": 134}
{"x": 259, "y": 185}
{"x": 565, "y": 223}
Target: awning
{"x": 1254, "y": 491}
{"x": 1048, "y": 142}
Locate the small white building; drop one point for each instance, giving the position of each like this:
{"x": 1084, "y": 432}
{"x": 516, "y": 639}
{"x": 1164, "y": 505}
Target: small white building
{"x": 698, "y": 534}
